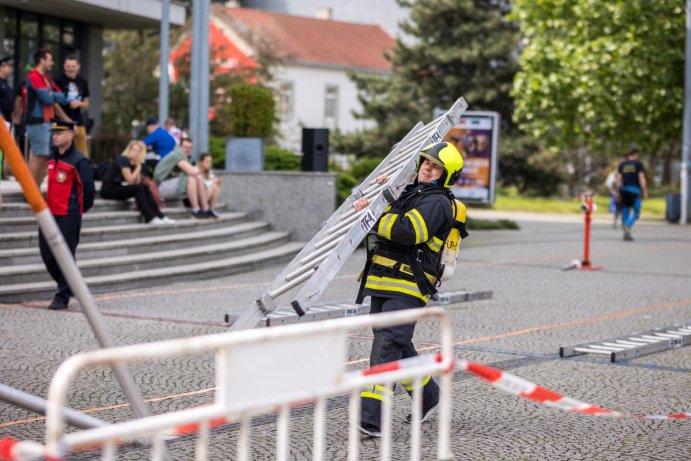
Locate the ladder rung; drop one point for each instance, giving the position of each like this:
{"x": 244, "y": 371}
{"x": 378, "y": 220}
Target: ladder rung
{"x": 644, "y": 340}
{"x": 607, "y": 348}
{"x": 319, "y": 249}
{"x": 652, "y": 338}
{"x": 678, "y": 332}
{"x": 307, "y": 267}
{"x": 591, "y": 351}
{"x": 632, "y": 343}
{"x": 618, "y": 344}
{"x": 667, "y": 335}
{"x": 290, "y": 285}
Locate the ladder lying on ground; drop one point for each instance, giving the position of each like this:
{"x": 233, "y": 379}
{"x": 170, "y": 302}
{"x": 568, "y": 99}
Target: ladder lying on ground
{"x": 337, "y": 309}
{"x": 323, "y": 256}
{"x": 633, "y": 346}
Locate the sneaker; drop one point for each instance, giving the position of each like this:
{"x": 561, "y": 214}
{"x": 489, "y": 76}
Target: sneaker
{"x": 627, "y": 234}
{"x": 167, "y": 220}
{"x": 58, "y": 303}
{"x": 370, "y": 429}
{"x": 425, "y": 415}
{"x": 213, "y": 214}
{"x": 199, "y": 214}
{"x": 156, "y": 221}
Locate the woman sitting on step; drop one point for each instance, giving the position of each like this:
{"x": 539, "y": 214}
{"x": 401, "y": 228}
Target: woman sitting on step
{"x": 124, "y": 180}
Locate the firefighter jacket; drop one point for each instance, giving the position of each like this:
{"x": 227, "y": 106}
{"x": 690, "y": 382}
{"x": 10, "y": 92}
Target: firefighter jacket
{"x": 405, "y": 260}
{"x": 70, "y": 183}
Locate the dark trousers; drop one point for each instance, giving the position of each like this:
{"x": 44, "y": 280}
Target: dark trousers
{"x": 69, "y": 226}
{"x": 142, "y": 196}
{"x": 391, "y": 344}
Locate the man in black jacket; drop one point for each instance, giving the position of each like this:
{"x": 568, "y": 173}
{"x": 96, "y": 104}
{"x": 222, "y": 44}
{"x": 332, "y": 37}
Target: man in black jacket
{"x": 70, "y": 195}
{"x": 404, "y": 267}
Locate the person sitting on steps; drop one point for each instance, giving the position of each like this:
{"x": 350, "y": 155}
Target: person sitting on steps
{"x": 177, "y": 177}
{"x": 212, "y": 183}
{"x": 124, "y": 180}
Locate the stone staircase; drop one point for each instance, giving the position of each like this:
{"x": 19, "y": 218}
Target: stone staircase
{"x": 118, "y": 252}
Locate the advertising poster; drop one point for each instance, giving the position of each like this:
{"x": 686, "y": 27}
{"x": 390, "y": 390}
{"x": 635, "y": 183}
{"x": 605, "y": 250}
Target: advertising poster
{"x": 476, "y": 136}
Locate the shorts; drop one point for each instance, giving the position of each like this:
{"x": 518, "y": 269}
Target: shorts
{"x": 169, "y": 188}
{"x": 39, "y": 138}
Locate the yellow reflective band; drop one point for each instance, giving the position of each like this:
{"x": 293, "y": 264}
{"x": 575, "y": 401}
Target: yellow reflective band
{"x": 395, "y": 285}
{"x": 386, "y": 224}
{"x": 435, "y": 244}
{"x": 406, "y": 269}
{"x": 376, "y": 392}
{"x": 409, "y": 384}
{"x": 418, "y": 225}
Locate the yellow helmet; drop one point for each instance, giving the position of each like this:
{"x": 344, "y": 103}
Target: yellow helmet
{"x": 446, "y": 156}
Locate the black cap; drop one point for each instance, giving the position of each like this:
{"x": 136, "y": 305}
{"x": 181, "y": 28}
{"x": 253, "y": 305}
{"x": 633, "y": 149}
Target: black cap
{"x": 5, "y": 59}
{"x": 61, "y": 125}
{"x": 151, "y": 121}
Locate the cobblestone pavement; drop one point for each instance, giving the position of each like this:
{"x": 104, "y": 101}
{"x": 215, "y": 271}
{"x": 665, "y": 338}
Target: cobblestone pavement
{"x": 536, "y": 308}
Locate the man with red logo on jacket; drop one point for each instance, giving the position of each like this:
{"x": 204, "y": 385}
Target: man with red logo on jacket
{"x": 70, "y": 195}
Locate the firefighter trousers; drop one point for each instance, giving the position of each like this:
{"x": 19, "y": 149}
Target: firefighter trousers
{"x": 391, "y": 344}
{"x": 69, "y": 226}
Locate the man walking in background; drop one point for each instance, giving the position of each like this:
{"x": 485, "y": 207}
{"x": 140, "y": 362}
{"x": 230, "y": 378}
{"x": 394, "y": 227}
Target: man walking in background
{"x": 632, "y": 188}
{"x": 70, "y": 195}
{"x": 77, "y": 89}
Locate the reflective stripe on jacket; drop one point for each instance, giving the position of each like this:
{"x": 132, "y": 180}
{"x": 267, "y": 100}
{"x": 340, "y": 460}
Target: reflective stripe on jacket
{"x": 414, "y": 226}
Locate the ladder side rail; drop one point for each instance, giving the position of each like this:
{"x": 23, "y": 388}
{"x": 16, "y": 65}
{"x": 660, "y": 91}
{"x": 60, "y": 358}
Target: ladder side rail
{"x": 324, "y": 273}
{"x": 267, "y": 303}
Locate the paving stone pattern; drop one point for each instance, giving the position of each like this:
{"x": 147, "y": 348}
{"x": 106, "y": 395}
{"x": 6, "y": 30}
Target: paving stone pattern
{"x": 536, "y": 308}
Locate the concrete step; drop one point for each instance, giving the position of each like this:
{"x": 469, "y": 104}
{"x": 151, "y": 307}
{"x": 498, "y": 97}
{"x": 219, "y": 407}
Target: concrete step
{"x": 113, "y": 248}
{"x": 160, "y": 276}
{"x": 18, "y": 209}
{"x": 147, "y": 259}
{"x": 28, "y": 239}
{"x": 90, "y": 219}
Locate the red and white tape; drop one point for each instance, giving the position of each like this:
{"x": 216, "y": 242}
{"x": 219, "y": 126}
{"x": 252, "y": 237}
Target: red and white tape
{"x": 531, "y": 391}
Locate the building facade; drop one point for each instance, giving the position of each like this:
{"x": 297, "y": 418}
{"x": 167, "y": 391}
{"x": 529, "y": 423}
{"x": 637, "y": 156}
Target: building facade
{"x": 74, "y": 27}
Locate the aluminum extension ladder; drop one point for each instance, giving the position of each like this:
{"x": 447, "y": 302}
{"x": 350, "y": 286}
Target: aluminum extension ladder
{"x": 324, "y": 256}
{"x": 350, "y": 308}
{"x": 633, "y": 346}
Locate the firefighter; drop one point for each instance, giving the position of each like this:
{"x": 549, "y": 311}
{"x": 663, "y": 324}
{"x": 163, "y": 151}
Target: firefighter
{"x": 70, "y": 194}
{"x": 403, "y": 268}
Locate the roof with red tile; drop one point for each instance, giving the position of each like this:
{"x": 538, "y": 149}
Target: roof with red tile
{"x": 312, "y": 41}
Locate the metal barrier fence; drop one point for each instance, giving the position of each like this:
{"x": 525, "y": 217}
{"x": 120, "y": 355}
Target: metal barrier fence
{"x": 259, "y": 372}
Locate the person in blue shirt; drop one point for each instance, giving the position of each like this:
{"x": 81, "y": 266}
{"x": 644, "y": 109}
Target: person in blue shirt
{"x": 632, "y": 188}
{"x": 159, "y": 143}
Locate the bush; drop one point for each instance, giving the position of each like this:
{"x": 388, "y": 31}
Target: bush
{"x": 251, "y": 111}
{"x": 217, "y": 148}
{"x": 278, "y": 159}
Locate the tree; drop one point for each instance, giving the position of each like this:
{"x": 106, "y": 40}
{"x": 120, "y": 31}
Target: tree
{"x": 453, "y": 48}
{"x": 599, "y": 75}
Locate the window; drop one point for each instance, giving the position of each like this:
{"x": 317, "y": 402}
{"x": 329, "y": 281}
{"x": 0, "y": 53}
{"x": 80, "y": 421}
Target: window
{"x": 286, "y": 100}
{"x": 331, "y": 106}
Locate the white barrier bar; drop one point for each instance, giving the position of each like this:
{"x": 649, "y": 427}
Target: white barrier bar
{"x": 308, "y": 360}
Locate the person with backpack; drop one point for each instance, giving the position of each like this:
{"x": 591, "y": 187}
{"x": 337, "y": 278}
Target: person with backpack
{"x": 404, "y": 266}
{"x": 39, "y": 100}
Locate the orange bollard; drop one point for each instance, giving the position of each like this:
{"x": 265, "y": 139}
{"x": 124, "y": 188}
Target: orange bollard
{"x": 588, "y": 207}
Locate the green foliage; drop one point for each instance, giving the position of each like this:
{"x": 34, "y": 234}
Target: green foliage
{"x": 130, "y": 89}
{"x": 533, "y": 170}
{"x": 344, "y": 186}
{"x": 491, "y": 224}
{"x": 598, "y": 75}
{"x": 276, "y": 158}
{"x": 457, "y": 48}
{"x": 217, "y": 148}
{"x": 250, "y": 112}
{"x": 363, "y": 167}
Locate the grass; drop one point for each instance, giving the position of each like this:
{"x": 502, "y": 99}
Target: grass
{"x": 509, "y": 200}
